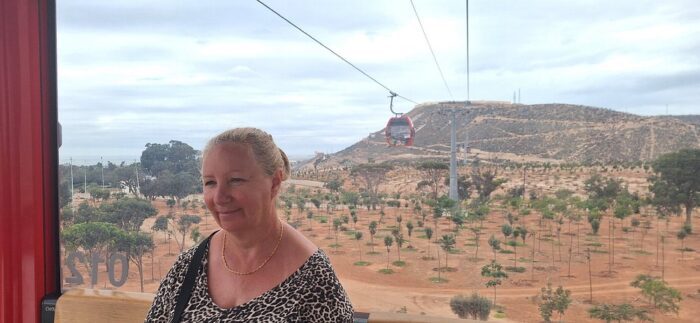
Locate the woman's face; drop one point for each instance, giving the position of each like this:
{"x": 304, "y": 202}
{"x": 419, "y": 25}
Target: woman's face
{"x": 236, "y": 189}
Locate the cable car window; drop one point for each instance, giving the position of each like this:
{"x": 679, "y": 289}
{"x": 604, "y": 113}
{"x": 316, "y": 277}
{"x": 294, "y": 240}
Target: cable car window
{"x": 551, "y": 114}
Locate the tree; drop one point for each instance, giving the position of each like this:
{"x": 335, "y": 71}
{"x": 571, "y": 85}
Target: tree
{"x": 174, "y": 156}
{"x": 388, "y": 241}
{"x": 507, "y": 230}
{"x": 358, "y": 237}
{"x": 662, "y": 296}
{"x": 681, "y": 235}
{"x": 128, "y": 213}
{"x": 398, "y": 237}
{"x": 475, "y": 306}
{"x": 494, "y": 273}
{"x": 183, "y": 227}
{"x": 336, "y": 227}
{"x": 675, "y": 180}
{"x": 433, "y": 171}
{"x": 429, "y": 235}
{"x": 94, "y": 238}
{"x": 551, "y": 301}
{"x": 619, "y": 313}
{"x": 334, "y": 185}
{"x": 161, "y": 224}
{"x": 409, "y": 228}
{"x": 486, "y": 182}
{"x": 372, "y": 232}
{"x": 135, "y": 245}
{"x": 447, "y": 242}
{"x": 371, "y": 175}
{"x": 495, "y": 245}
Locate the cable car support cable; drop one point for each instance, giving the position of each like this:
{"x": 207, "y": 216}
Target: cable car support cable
{"x": 431, "y": 50}
{"x": 336, "y": 54}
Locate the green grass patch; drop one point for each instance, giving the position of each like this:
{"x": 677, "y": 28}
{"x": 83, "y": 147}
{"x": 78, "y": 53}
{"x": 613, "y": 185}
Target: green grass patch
{"x": 515, "y": 269}
{"x": 470, "y": 244}
{"x": 399, "y": 263}
{"x": 456, "y": 251}
{"x": 350, "y": 233}
{"x": 439, "y": 280}
{"x": 499, "y": 315}
{"x": 528, "y": 260}
{"x": 335, "y": 245}
{"x": 362, "y": 263}
{"x": 506, "y": 251}
{"x": 594, "y": 244}
{"x": 641, "y": 252}
{"x": 409, "y": 249}
{"x": 386, "y": 271}
{"x": 423, "y": 236}
{"x": 373, "y": 253}
{"x": 686, "y": 249}
{"x": 598, "y": 251}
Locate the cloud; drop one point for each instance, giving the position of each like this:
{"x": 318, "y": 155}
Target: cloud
{"x": 133, "y": 72}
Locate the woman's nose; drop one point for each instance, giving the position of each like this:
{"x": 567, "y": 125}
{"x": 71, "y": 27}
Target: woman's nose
{"x": 222, "y": 195}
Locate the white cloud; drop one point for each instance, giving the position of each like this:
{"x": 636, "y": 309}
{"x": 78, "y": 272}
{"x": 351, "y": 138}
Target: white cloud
{"x": 129, "y": 74}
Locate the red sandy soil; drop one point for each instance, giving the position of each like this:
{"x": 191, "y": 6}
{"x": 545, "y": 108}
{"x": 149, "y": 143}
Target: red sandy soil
{"x": 409, "y": 288}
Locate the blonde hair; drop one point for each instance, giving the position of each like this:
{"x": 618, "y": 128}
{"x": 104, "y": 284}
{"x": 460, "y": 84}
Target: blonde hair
{"x": 267, "y": 154}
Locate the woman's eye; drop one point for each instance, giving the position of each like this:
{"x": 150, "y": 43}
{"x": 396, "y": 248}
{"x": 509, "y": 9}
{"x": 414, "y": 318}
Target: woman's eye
{"x": 237, "y": 180}
{"x": 209, "y": 183}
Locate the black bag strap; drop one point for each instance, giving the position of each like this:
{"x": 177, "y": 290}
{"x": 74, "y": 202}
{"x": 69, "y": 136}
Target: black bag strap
{"x": 190, "y": 277}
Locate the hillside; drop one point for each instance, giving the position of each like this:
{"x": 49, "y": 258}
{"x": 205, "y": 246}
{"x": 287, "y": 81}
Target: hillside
{"x": 541, "y": 132}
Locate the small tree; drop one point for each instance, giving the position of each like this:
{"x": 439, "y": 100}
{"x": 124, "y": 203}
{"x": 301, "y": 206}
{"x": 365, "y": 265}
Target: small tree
{"x": 475, "y": 306}
{"x": 336, "y": 228}
{"x": 494, "y": 273}
{"x": 495, "y": 245}
{"x": 662, "y": 296}
{"x": 447, "y": 243}
{"x": 681, "y": 235}
{"x": 429, "y": 235}
{"x": 409, "y": 227}
{"x": 372, "y": 232}
{"x": 358, "y": 237}
{"x": 551, "y": 301}
{"x": 388, "y": 241}
{"x": 619, "y": 313}
{"x": 184, "y": 223}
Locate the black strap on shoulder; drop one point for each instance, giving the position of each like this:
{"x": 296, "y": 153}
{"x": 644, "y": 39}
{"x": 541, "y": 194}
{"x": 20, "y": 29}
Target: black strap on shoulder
{"x": 190, "y": 277}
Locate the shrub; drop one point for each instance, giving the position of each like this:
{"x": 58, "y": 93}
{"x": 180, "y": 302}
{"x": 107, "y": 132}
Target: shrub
{"x": 475, "y": 306}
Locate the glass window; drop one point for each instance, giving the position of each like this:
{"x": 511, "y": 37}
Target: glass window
{"x": 570, "y": 104}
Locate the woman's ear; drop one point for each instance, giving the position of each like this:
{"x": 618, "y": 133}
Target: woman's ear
{"x": 276, "y": 182}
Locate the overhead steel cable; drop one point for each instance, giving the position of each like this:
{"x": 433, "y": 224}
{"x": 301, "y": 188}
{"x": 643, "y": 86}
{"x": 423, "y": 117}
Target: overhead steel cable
{"x": 467, "y": 41}
{"x": 334, "y": 53}
{"x": 431, "y": 50}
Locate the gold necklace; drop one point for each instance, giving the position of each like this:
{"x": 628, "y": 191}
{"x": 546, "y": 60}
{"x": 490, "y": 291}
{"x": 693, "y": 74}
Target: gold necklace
{"x": 223, "y": 254}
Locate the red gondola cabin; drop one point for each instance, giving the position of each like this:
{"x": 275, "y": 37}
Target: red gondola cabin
{"x": 399, "y": 131}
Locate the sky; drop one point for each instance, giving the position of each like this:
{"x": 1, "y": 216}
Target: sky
{"x": 137, "y": 72}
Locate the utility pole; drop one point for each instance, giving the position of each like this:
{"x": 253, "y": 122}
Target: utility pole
{"x": 71, "y": 183}
{"x": 103, "y": 173}
{"x": 453, "y": 158}
{"x": 138, "y": 185}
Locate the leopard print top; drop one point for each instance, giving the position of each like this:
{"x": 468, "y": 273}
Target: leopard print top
{"x": 311, "y": 294}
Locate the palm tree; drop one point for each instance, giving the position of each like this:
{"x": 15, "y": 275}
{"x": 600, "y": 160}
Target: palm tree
{"x": 388, "y": 241}
{"x": 372, "y": 232}
{"x": 429, "y": 235}
{"x": 358, "y": 237}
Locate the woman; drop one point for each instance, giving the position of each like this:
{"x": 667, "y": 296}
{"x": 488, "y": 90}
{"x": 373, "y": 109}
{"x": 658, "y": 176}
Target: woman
{"x": 256, "y": 268}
